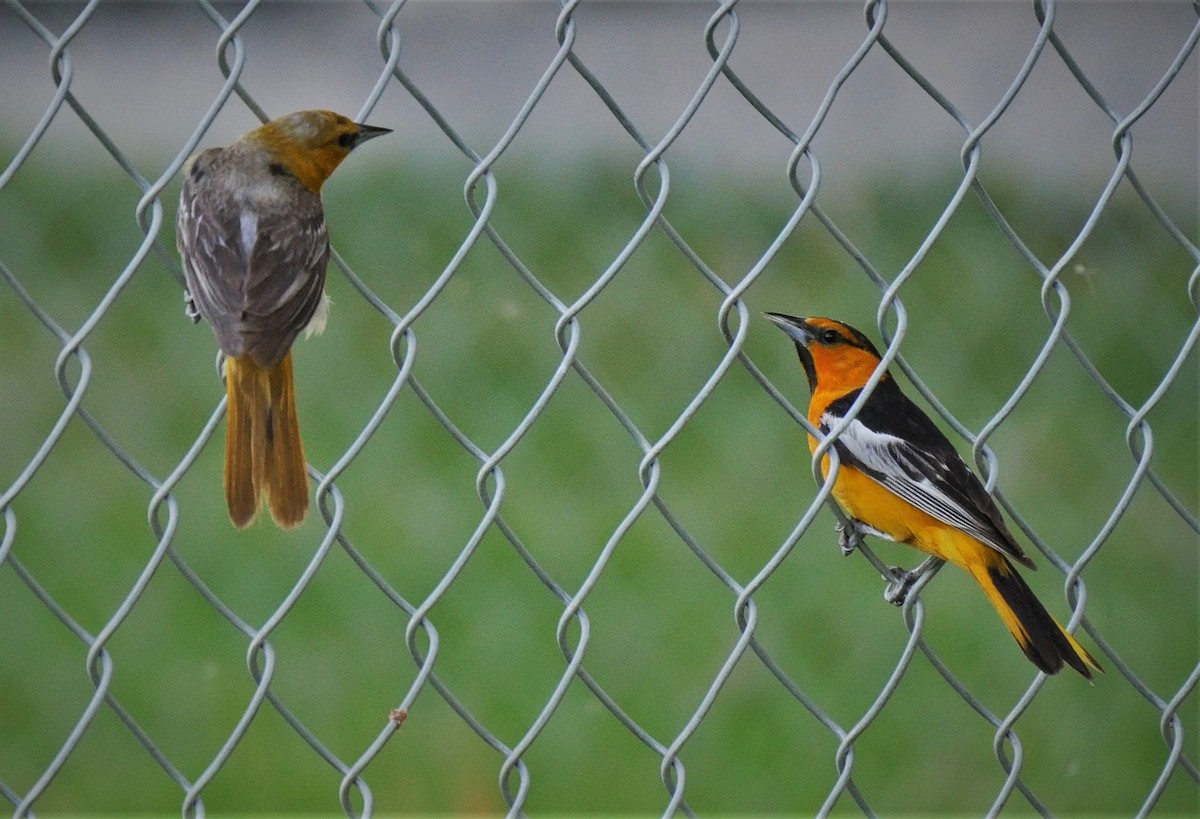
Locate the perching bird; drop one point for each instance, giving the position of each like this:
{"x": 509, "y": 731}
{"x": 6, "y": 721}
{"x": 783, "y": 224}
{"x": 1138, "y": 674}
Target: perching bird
{"x": 901, "y": 479}
{"x": 251, "y": 231}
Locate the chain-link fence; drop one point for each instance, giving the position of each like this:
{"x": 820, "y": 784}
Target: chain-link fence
{"x": 568, "y": 554}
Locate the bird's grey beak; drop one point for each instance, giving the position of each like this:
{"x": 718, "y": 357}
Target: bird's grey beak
{"x": 366, "y": 132}
{"x": 799, "y": 332}
{"x": 796, "y": 328}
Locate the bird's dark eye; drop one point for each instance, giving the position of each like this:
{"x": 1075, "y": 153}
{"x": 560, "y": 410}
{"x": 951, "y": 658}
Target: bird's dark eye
{"x": 346, "y": 140}
{"x": 829, "y": 336}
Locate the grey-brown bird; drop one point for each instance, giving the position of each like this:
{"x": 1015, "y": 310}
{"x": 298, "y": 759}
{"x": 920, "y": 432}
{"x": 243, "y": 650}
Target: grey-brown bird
{"x": 252, "y": 236}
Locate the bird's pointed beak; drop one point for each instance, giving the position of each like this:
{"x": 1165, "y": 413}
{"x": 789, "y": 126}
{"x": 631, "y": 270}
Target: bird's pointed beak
{"x": 796, "y": 328}
{"x": 802, "y": 334}
{"x": 366, "y": 132}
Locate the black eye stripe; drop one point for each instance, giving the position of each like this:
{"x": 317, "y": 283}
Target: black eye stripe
{"x": 843, "y": 334}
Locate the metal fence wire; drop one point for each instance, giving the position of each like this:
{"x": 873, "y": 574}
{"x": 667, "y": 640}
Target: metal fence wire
{"x": 405, "y": 652}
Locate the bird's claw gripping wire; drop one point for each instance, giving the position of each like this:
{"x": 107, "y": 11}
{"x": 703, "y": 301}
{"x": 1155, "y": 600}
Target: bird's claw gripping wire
{"x": 849, "y": 537}
{"x": 901, "y": 581}
{"x": 900, "y": 584}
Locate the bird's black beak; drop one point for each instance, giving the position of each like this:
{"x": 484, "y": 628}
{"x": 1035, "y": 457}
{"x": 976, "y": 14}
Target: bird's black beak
{"x": 798, "y": 331}
{"x": 366, "y": 132}
{"x": 796, "y": 328}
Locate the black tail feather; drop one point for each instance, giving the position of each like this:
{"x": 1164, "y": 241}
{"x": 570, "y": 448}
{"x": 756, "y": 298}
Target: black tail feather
{"x": 1040, "y": 636}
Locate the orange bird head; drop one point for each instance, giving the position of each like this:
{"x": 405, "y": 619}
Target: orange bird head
{"x": 311, "y": 144}
{"x": 833, "y": 354}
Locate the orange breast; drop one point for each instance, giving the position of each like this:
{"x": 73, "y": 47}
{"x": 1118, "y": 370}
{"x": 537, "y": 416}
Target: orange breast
{"x": 863, "y": 499}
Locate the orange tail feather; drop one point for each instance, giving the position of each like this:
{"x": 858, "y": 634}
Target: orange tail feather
{"x": 263, "y": 452}
{"x": 286, "y": 477}
{"x": 242, "y": 457}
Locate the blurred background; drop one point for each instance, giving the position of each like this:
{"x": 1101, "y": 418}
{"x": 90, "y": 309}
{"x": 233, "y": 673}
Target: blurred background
{"x": 736, "y": 475}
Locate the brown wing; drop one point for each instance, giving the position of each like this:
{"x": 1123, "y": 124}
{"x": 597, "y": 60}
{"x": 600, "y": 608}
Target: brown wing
{"x": 256, "y": 274}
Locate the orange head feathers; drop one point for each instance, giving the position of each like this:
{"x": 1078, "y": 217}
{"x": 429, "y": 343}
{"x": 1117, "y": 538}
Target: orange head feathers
{"x": 310, "y": 144}
{"x": 836, "y": 352}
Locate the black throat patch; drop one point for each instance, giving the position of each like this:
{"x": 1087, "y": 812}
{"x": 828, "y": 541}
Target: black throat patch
{"x": 810, "y": 370}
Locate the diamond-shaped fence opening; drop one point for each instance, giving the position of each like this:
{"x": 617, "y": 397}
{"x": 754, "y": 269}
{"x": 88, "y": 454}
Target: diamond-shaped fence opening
{"x": 567, "y": 552}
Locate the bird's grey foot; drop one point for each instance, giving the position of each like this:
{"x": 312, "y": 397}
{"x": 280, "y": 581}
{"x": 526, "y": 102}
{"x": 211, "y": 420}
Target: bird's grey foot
{"x": 900, "y": 585}
{"x": 902, "y": 580}
{"x": 849, "y": 537}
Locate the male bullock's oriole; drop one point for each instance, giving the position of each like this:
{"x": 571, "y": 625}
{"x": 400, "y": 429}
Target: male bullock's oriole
{"x": 251, "y": 232}
{"x": 901, "y": 479}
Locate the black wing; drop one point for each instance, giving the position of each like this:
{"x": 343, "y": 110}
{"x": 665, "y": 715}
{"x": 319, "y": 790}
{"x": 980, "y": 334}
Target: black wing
{"x": 894, "y": 443}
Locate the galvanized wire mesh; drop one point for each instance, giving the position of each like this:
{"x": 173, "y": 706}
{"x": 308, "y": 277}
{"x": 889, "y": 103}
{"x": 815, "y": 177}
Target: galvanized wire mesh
{"x": 116, "y": 650}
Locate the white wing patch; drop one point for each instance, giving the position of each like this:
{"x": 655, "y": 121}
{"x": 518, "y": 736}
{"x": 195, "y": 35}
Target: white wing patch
{"x": 913, "y": 475}
{"x": 248, "y": 222}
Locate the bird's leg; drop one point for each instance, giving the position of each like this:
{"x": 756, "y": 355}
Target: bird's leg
{"x": 850, "y": 536}
{"x": 902, "y": 580}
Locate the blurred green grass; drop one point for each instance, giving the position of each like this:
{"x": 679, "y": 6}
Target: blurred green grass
{"x": 737, "y": 476}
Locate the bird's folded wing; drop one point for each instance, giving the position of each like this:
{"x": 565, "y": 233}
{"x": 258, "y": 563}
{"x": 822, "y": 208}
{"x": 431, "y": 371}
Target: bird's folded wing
{"x": 934, "y": 479}
{"x": 256, "y": 278}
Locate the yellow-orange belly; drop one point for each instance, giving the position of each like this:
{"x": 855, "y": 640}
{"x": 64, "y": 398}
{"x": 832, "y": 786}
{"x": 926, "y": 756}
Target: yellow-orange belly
{"x": 889, "y": 514}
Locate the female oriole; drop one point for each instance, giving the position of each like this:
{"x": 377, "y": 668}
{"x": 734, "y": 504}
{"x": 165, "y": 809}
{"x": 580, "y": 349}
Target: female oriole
{"x": 252, "y": 236}
{"x": 902, "y": 480}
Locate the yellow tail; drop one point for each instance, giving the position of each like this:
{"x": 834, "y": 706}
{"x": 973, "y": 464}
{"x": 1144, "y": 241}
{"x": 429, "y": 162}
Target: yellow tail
{"x": 263, "y": 451}
{"x": 1038, "y": 634}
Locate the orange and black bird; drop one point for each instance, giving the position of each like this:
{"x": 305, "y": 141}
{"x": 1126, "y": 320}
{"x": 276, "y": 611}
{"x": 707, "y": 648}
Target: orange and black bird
{"x": 901, "y": 479}
{"x": 251, "y": 232}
